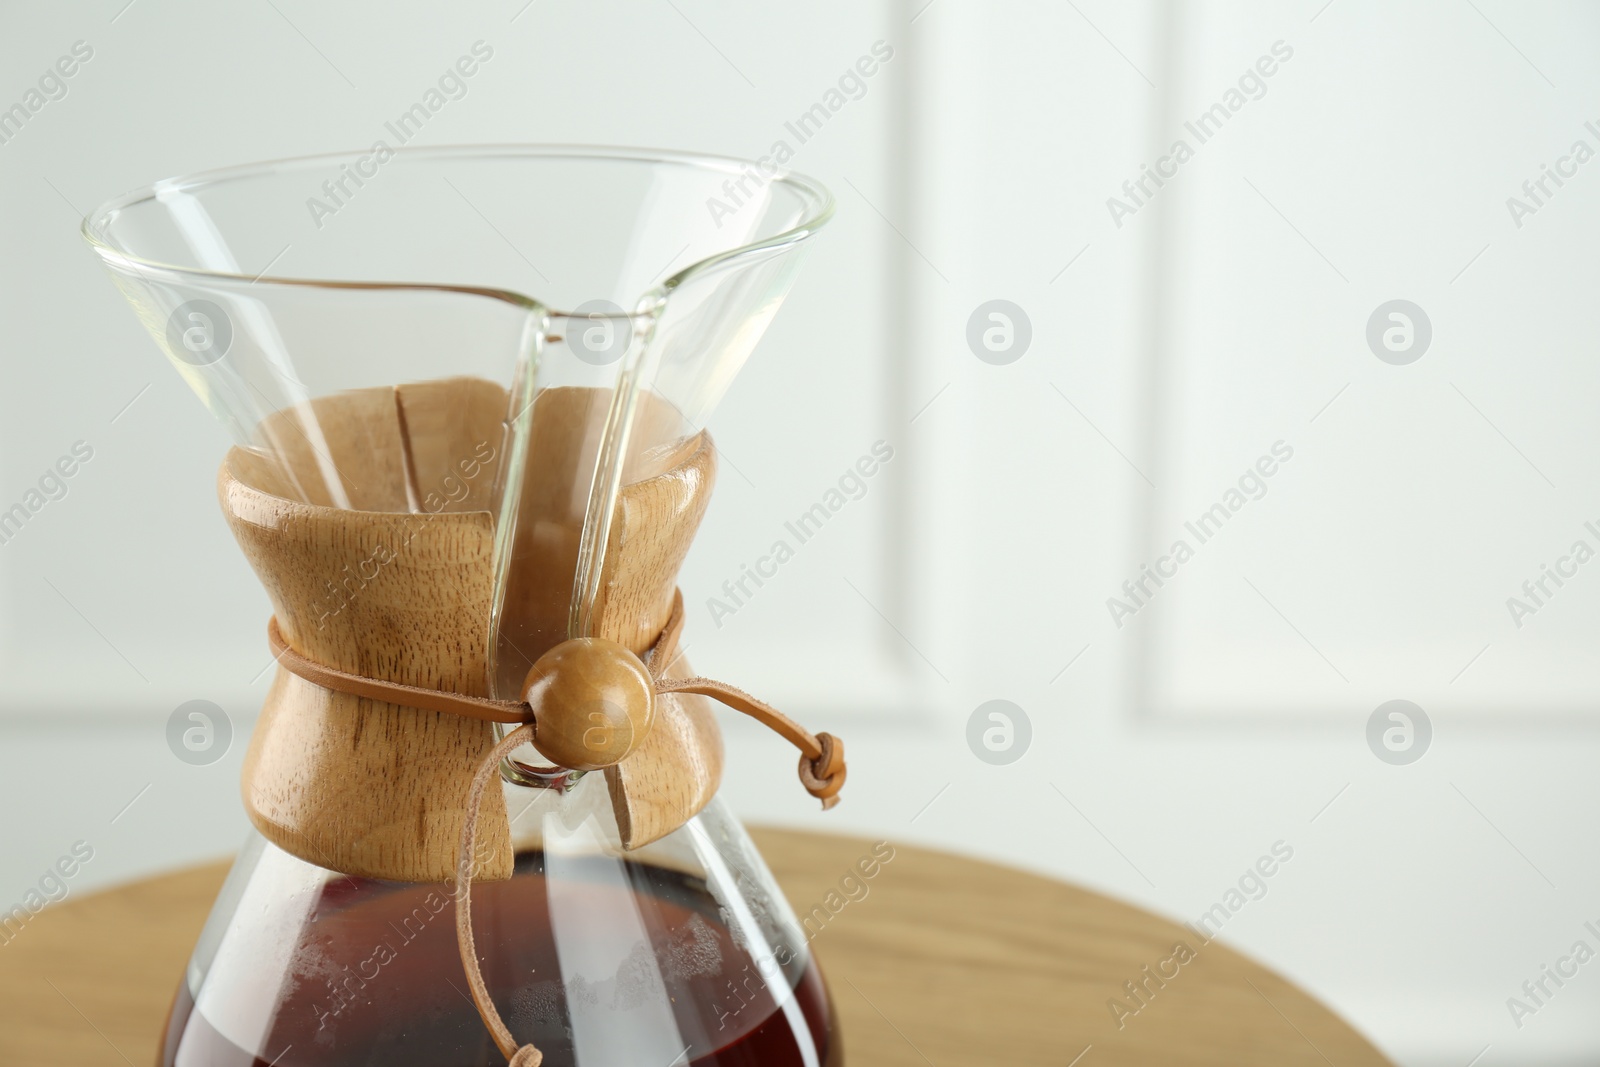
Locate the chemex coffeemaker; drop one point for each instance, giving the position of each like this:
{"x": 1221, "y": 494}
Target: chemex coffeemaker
{"x": 468, "y": 407}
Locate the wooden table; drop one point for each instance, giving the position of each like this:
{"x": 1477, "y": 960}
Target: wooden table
{"x": 946, "y": 961}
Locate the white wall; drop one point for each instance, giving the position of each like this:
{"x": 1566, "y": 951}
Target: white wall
{"x": 1171, "y": 353}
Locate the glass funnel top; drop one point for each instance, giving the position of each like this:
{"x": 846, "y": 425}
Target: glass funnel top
{"x": 608, "y": 295}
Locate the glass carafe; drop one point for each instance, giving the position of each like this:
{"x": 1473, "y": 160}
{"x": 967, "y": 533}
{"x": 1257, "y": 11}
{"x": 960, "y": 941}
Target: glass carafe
{"x": 507, "y": 349}
{"x": 681, "y": 952}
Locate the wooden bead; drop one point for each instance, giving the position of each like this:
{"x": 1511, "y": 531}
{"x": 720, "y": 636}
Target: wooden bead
{"x": 593, "y": 702}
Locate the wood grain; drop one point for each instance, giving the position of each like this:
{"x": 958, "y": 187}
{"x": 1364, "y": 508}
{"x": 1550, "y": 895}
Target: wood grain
{"x": 398, "y": 585}
{"x": 677, "y": 769}
{"x": 945, "y": 961}
{"x": 357, "y": 785}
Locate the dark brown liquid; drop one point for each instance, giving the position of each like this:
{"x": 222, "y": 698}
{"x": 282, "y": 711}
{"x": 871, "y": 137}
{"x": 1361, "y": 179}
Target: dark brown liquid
{"x": 385, "y": 985}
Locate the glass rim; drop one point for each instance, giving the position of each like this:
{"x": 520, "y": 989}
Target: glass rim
{"x": 818, "y": 200}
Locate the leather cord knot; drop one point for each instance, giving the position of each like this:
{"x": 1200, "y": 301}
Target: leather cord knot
{"x": 824, "y": 776}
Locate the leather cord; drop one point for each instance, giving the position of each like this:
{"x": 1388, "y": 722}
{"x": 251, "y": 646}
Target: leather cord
{"x": 822, "y": 765}
{"x": 517, "y": 1056}
{"x": 411, "y": 696}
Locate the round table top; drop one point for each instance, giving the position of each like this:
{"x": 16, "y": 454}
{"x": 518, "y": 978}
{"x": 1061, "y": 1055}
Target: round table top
{"x": 944, "y": 960}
